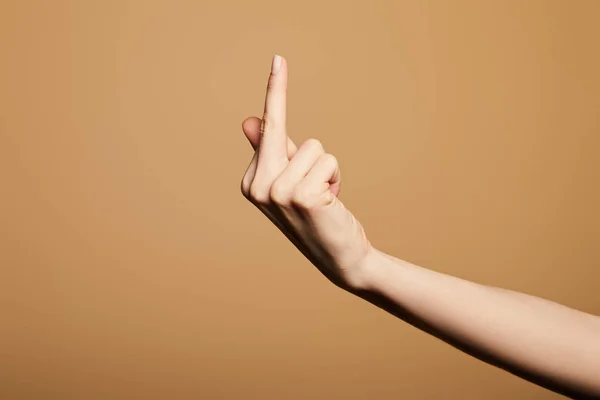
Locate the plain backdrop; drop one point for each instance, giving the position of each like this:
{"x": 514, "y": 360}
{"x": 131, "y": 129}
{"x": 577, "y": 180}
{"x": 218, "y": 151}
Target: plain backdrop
{"x": 132, "y": 267}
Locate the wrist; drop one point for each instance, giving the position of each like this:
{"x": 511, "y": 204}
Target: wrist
{"x": 370, "y": 271}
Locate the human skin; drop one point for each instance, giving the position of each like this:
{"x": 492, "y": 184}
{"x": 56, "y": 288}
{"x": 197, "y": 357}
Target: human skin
{"x": 297, "y": 189}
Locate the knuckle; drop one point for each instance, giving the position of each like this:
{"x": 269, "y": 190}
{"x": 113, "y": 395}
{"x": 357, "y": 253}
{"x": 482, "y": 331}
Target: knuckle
{"x": 301, "y": 198}
{"x": 264, "y": 125}
{"x": 245, "y": 188}
{"x": 245, "y": 184}
{"x": 329, "y": 160}
{"x": 279, "y": 193}
{"x": 269, "y": 124}
{"x": 274, "y": 84}
{"x": 314, "y": 145}
{"x": 258, "y": 194}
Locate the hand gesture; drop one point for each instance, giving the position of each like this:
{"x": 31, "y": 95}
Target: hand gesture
{"x": 297, "y": 188}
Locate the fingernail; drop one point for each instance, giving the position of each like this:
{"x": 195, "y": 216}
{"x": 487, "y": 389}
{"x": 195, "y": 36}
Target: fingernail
{"x": 276, "y": 64}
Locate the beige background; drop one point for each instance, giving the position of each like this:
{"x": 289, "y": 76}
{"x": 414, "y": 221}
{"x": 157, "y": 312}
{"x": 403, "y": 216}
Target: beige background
{"x": 132, "y": 267}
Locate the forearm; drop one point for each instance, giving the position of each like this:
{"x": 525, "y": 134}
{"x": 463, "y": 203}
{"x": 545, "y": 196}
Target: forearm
{"x": 545, "y": 342}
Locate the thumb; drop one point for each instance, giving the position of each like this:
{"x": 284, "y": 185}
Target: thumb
{"x": 251, "y": 128}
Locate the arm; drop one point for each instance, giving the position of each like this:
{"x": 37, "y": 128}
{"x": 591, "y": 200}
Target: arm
{"x": 544, "y": 342}
{"x": 298, "y": 188}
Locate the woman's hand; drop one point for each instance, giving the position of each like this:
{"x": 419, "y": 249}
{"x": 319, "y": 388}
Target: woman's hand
{"x": 297, "y": 189}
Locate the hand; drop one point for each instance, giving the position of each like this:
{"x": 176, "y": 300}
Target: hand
{"x": 297, "y": 189}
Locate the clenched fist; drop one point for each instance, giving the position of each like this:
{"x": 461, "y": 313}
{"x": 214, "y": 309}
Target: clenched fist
{"x": 297, "y": 188}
